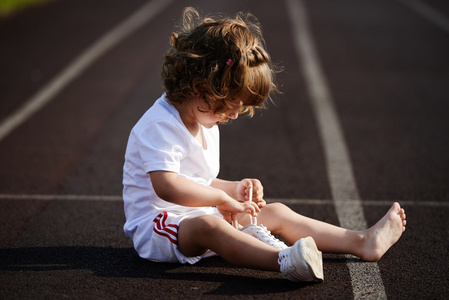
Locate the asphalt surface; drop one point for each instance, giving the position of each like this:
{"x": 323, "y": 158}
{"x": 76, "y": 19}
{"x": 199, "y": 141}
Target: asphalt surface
{"x": 61, "y": 216}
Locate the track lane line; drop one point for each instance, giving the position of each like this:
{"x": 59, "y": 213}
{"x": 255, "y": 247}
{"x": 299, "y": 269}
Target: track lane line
{"x": 365, "y": 277}
{"x": 42, "y": 197}
{"x": 427, "y": 12}
{"x": 288, "y": 201}
{"x": 112, "y": 38}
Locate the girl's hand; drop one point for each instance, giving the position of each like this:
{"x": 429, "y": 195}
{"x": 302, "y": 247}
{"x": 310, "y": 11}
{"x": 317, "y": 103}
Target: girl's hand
{"x": 243, "y": 189}
{"x": 231, "y": 208}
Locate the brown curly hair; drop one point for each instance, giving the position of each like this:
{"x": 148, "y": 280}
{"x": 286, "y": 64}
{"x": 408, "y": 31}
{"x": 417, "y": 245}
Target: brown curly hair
{"x": 221, "y": 60}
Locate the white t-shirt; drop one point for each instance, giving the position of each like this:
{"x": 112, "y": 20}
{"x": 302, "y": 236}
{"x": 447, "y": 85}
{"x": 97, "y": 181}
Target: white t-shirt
{"x": 161, "y": 142}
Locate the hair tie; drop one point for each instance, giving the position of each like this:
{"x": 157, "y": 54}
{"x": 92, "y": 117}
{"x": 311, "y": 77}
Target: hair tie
{"x": 228, "y": 62}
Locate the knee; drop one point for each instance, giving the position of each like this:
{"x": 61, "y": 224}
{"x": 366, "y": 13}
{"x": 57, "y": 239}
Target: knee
{"x": 276, "y": 208}
{"x": 273, "y": 216}
{"x": 206, "y": 225}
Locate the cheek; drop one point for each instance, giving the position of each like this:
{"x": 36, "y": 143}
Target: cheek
{"x": 209, "y": 118}
{"x": 215, "y": 116}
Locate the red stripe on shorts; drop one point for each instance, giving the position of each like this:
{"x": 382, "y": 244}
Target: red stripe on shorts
{"x": 164, "y": 230}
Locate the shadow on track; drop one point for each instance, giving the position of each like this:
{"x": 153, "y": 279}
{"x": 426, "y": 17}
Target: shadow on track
{"x": 125, "y": 263}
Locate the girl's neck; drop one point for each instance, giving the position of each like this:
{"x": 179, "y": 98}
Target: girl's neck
{"x": 188, "y": 117}
{"x": 186, "y": 113}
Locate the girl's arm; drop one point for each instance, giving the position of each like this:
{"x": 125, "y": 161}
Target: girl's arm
{"x": 179, "y": 190}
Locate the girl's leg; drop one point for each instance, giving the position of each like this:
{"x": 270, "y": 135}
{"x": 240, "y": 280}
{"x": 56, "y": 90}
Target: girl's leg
{"x": 370, "y": 244}
{"x": 197, "y": 235}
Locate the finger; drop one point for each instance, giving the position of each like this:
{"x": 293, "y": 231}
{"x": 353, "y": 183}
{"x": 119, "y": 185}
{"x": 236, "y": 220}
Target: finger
{"x": 249, "y": 183}
{"x": 249, "y": 191}
{"x": 257, "y": 190}
{"x": 258, "y": 193}
{"x": 256, "y": 207}
{"x": 261, "y": 203}
{"x": 252, "y": 209}
{"x": 256, "y": 183}
{"x": 235, "y": 222}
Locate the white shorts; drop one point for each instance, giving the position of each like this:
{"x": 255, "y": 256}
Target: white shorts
{"x": 160, "y": 242}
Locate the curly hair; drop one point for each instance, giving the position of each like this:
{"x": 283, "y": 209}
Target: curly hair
{"x": 221, "y": 60}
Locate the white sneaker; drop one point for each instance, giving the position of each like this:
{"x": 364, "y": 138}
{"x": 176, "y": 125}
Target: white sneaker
{"x": 261, "y": 233}
{"x": 302, "y": 261}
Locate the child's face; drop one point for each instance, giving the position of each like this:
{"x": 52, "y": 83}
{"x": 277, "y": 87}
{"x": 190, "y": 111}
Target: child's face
{"x": 209, "y": 119}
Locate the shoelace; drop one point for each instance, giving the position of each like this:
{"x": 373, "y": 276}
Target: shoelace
{"x": 285, "y": 262}
{"x": 269, "y": 238}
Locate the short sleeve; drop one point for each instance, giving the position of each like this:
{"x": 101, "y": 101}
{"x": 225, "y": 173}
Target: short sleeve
{"x": 161, "y": 146}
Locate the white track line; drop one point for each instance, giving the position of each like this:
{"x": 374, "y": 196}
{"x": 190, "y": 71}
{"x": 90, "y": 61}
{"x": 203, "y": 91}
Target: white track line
{"x": 61, "y": 197}
{"x": 80, "y": 64}
{"x": 366, "y": 279}
{"x": 287, "y": 201}
{"x": 387, "y": 203}
{"x": 428, "y": 13}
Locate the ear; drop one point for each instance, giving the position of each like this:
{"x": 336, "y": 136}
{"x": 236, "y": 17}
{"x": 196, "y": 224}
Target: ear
{"x": 199, "y": 88}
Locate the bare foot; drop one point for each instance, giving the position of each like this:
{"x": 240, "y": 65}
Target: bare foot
{"x": 386, "y": 232}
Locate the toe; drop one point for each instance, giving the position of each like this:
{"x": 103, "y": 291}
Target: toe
{"x": 396, "y": 206}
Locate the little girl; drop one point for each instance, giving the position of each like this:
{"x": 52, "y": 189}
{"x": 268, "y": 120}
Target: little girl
{"x": 176, "y": 208}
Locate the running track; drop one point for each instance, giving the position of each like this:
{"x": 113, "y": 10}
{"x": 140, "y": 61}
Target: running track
{"x": 362, "y": 122}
